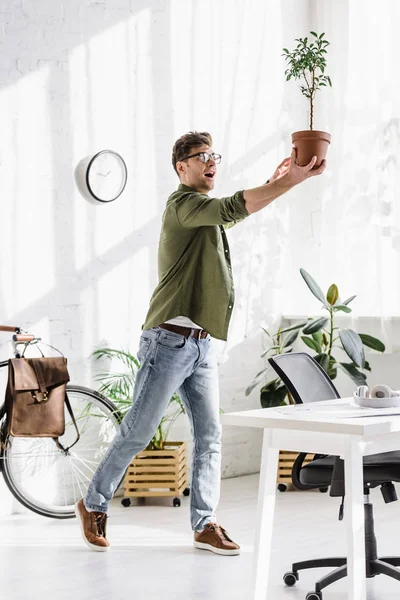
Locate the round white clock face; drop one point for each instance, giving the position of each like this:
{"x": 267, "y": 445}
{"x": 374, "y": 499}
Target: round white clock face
{"x": 106, "y": 176}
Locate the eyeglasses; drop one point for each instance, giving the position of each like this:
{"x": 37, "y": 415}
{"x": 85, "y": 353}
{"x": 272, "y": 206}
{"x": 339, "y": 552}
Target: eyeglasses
{"x": 205, "y": 157}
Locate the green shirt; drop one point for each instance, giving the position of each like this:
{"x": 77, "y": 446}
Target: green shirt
{"x": 194, "y": 265}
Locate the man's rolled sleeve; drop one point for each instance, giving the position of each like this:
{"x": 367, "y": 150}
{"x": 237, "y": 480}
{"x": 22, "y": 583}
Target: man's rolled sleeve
{"x": 197, "y": 210}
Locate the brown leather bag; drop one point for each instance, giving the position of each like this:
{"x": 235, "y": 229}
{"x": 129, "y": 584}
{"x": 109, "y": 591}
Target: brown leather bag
{"x": 35, "y": 398}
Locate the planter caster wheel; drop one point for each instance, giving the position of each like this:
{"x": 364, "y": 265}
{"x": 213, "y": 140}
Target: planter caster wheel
{"x": 314, "y": 596}
{"x": 323, "y": 489}
{"x": 290, "y": 578}
{"x": 282, "y": 487}
{"x": 126, "y": 502}
{"x": 186, "y": 491}
{"x": 176, "y": 502}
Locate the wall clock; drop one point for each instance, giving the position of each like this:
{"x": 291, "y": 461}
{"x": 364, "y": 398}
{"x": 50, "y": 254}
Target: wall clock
{"x": 106, "y": 176}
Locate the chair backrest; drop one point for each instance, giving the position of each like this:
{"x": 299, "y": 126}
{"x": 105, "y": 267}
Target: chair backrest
{"x": 304, "y": 378}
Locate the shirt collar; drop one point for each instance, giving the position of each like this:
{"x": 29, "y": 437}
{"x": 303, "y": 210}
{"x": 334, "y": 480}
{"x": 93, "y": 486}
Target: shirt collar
{"x": 185, "y": 188}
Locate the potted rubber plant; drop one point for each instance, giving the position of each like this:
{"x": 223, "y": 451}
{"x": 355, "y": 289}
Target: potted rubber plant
{"x": 307, "y": 63}
{"x": 324, "y": 338}
{"x": 160, "y": 470}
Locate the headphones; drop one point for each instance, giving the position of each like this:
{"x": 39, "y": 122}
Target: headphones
{"x": 378, "y": 391}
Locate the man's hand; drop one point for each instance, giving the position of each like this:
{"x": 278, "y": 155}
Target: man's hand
{"x": 281, "y": 170}
{"x": 296, "y": 174}
{"x": 287, "y": 175}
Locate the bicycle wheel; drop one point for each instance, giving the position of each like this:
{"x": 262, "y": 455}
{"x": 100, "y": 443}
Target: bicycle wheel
{"x": 49, "y": 481}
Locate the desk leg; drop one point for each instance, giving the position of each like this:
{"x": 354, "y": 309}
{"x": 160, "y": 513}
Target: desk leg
{"x": 265, "y": 517}
{"x": 354, "y": 520}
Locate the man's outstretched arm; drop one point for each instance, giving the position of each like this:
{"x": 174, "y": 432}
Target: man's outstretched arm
{"x": 286, "y": 176}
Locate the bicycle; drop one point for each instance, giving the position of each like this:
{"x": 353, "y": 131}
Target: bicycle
{"x": 42, "y": 477}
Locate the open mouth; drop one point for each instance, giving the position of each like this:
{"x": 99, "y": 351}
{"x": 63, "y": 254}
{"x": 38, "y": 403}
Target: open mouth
{"x": 210, "y": 174}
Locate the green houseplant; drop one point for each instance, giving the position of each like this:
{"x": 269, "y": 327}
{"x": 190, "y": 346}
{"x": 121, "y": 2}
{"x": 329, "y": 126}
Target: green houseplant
{"x": 323, "y": 337}
{"x": 307, "y": 63}
{"x": 119, "y": 386}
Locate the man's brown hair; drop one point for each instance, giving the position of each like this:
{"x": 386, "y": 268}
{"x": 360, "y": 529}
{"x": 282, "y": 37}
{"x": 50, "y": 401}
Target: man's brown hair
{"x": 186, "y": 143}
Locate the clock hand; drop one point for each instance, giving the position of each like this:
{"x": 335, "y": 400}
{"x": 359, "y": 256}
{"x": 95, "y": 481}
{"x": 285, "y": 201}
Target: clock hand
{"x": 102, "y": 174}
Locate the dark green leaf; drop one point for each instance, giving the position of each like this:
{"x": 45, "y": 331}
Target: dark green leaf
{"x": 272, "y": 395}
{"x": 351, "y": 370}
{"x": 353, "y": 346}
{"x": 313, "y": 286}
{"x": 372, "y": 342}
{"x": 323, "y": 360}
{"x": 315, "y": 325}
{"x": 294, "y": 327}
{"x": 311, "y": 344}
{"x": 367, "y": 366}
{"x": 289, "y": 338}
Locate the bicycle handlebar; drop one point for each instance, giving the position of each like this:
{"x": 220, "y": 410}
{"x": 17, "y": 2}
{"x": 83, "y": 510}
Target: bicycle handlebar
{"x": 10, "y": 329}
{"x": 23, "y": 337}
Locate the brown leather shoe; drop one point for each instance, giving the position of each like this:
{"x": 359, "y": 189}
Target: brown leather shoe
{"x": 93, "y": 527}
{"x": 214, "y": 538}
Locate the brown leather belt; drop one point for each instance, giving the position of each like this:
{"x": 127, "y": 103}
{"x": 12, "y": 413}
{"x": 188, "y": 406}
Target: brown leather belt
{"x": 186, "y": 331}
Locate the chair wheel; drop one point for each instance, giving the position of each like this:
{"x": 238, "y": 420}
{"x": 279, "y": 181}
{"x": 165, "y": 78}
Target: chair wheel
{"x": 186, "y": 491}
{"x": 176, "y": 502}
{"x": 290, "y": 578}
{"x": 323, "y": 489}
{"x": 282, "y": 487}
{"x": 314, "y": 596}
{"x": 126, "y": 502}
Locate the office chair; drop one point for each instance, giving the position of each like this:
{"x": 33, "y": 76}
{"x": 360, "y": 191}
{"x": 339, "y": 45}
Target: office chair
{"x": 308, "y": 382}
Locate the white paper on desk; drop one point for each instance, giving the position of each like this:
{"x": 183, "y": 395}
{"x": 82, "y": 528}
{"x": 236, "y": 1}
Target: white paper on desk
{"x": 343, "y": 411}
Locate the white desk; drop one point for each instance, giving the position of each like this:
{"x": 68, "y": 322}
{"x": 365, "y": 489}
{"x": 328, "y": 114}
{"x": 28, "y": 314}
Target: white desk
{"x": 317, "y": 432}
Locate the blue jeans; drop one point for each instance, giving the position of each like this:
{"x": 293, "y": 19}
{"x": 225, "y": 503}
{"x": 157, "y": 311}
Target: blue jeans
{"x": 169, "y": 363}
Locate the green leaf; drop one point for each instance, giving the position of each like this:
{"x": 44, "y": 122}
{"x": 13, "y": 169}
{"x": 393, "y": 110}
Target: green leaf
{"x": 311, "y": 344}
{"x": 342, "y": 307}
{"x": 315, "y": 325}
{"x": 314, "y": 34}
{"x": 290, "y": 338}
{"x": 367, "y": 366}
{"x": 318, "y": 337}
{"x": 286, "y": 51}
{"x": 372, "y": 342}
{"x": 313, "y": 286}
{"x": 351, "y": 370}
{"x": 323, "y": 360}
{"x": 353, "y": 346}
{"x": 346, "y": 302}
{"x": 272, "y": 395}
{"x": 294, "y": 327}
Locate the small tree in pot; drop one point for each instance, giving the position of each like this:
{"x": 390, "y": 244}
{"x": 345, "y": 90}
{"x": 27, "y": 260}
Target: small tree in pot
{"x": 307, "y": 63}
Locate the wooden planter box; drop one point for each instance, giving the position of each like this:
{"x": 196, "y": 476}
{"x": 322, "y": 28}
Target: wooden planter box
{"x": 286, "y": 460}
{"x": 155, "y": 473}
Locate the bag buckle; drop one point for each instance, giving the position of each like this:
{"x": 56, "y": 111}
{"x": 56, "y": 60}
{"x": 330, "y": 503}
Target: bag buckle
{"x": 40, "y": 397}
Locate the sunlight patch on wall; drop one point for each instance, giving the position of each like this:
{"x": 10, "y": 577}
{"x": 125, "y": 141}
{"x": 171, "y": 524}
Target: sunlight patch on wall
{"x": 27, "y": 218}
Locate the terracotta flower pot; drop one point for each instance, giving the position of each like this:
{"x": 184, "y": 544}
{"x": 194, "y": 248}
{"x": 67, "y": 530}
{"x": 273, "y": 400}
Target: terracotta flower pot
{"x": 311, "y": 143}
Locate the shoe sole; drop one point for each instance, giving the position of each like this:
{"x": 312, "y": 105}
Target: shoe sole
{"x": 91, "y": 546}
{"x": 202, "y": 546}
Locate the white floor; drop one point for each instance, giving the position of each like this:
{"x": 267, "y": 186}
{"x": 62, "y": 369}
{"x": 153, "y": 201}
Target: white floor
{"x": 152, "y": 556}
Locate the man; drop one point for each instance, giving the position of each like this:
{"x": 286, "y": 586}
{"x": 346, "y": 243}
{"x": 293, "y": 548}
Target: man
{"x": 192, "y": 302}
